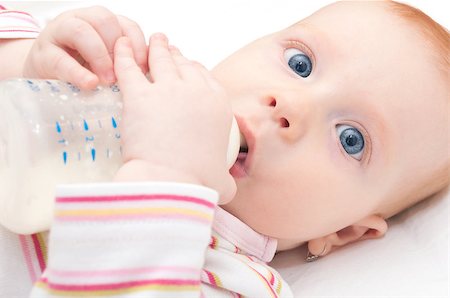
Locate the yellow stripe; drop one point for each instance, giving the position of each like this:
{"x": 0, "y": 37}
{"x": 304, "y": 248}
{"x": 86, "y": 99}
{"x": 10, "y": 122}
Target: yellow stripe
{"x": 43, "y": 245}
{"x": 160, "y": 288}
{"x": 279, "y": 282}
{"x": 133, "y": 211}
{"x": 257, "y": 273}
{"x": 217, "y": 279}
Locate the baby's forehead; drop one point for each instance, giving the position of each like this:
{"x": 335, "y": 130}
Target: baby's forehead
{"x": 343, "y": 9}
{"x": 362, "y": 30}
{"x": 392, "y": 24}
{"x": 351, "y": 14}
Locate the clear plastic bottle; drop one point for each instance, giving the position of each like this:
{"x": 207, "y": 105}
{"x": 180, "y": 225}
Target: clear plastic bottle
{"x": 51, "y": 132}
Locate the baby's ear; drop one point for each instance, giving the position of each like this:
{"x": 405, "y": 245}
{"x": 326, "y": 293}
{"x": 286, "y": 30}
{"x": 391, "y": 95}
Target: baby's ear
{"x": 372, "y": 226}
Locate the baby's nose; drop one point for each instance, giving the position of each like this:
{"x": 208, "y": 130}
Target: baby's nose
{"x": 292, "y": 117}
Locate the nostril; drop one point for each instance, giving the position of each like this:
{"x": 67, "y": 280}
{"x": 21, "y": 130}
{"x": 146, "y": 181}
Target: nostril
{"x": 284, "y": 122}
{"x": 273, "y": 102}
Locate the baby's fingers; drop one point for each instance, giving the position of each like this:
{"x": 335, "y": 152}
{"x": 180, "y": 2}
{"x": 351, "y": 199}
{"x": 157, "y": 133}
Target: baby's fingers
{"x": 64, "y": 67}
{"x": 207, "y": 76}
{"x": 186, "y": 67}
{"x": 129, "y": 75}
{"x": 132, "y": 30}
{"x": 162, "y": 66}
{"x": 80, "y": 36}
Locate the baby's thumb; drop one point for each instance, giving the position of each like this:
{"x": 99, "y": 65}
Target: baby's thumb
{"x": 128, "y": 73}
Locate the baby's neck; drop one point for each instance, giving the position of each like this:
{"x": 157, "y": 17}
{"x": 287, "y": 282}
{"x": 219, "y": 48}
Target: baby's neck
{"x": 287, "y": 244}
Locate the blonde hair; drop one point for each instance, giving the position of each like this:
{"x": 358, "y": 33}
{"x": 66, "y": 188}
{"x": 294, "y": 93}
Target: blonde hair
{"x": 437, "y": 39}
{"x": 435, "y": 36}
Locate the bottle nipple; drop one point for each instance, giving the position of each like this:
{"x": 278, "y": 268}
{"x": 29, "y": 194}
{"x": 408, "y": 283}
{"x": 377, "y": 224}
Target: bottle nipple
{"x": 234, "y": 144}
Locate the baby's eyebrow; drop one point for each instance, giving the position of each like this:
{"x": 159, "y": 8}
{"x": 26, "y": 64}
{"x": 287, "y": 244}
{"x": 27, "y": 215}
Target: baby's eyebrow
{"x": 315, "y": 39}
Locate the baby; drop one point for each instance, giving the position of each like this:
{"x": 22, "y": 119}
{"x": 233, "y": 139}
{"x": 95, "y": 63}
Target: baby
{"x": 343, "y": 129}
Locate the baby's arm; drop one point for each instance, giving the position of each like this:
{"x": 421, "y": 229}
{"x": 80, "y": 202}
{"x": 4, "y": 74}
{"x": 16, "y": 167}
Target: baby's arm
{"x": 128, "y": 240}
{"x": 131, "y": 238}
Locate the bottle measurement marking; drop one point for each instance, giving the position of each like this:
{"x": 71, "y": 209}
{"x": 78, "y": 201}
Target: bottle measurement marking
{"x": 32, "y": 86}
{"x": 114, "y": 123}
{"x": 85, "y": 125}
{"x": 93, "y": 154}
{"x": 73, "y": 88}
{"x": 53, "y": 88}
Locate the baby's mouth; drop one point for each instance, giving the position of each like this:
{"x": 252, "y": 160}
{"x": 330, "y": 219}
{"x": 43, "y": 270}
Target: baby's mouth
{"x": 239, "y": 169}
{"x": 244, "y": 147}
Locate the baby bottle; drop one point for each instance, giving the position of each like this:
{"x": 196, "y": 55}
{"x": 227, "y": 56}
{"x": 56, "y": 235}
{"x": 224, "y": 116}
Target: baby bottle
{"x": 51, "y": 132}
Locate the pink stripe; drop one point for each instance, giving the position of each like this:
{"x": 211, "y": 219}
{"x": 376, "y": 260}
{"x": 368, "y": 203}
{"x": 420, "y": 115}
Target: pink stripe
{"x": 210, "y": 278}
{"x": 267, "y": 282}
{"x": 2, "y": 7}
{"x": 14, "y": 11}
{"x": 37, "y": 248}
{"x": 123, "y": 285}
{"x": 134, "y": 198}
{"x": 115, "y": 272}
{"x": 27, "y": 255}
{"x": 33, "y": 31}
{"x": 27, "y": 18}
{"x": 135, "y": 217}
{"x": 272, "y": 278}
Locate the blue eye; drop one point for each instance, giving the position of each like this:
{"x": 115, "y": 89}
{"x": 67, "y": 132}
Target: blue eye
{"x": 351, "y": 140}
{"x": 298, "y": 61}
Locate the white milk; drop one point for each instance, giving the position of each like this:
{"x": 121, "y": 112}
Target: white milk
{"x": 27, "y": 196}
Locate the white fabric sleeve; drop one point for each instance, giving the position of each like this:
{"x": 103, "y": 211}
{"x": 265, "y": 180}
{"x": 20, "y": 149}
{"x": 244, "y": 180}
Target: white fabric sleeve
{"x": 128, "y": 240}
{"x": 17, "y": 24}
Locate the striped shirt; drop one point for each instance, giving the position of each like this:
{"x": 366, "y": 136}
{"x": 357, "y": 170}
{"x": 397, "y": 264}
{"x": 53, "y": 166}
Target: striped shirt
{"x": 17, "y": 24}
{"x": 140, "y": 240}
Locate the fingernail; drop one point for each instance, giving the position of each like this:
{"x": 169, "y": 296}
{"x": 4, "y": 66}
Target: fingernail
{"x": 160, "y": 36}
{"x": 89, "y": 81}
{"x": 173, "y": 48}
{"x": 110, "y": 77}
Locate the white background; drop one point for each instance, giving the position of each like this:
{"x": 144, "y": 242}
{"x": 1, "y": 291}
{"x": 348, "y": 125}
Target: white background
{"x": 208, "y": 31}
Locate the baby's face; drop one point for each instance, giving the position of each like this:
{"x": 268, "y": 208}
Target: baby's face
{"x": 340, "y": 116}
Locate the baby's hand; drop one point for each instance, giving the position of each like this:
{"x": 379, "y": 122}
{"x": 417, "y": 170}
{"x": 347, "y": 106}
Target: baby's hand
{"x": 176, "y": 127}
{"x": 77, "y": 46}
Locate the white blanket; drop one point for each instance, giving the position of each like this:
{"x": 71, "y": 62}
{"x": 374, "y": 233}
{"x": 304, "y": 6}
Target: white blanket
{"x": 412, "y": 260}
